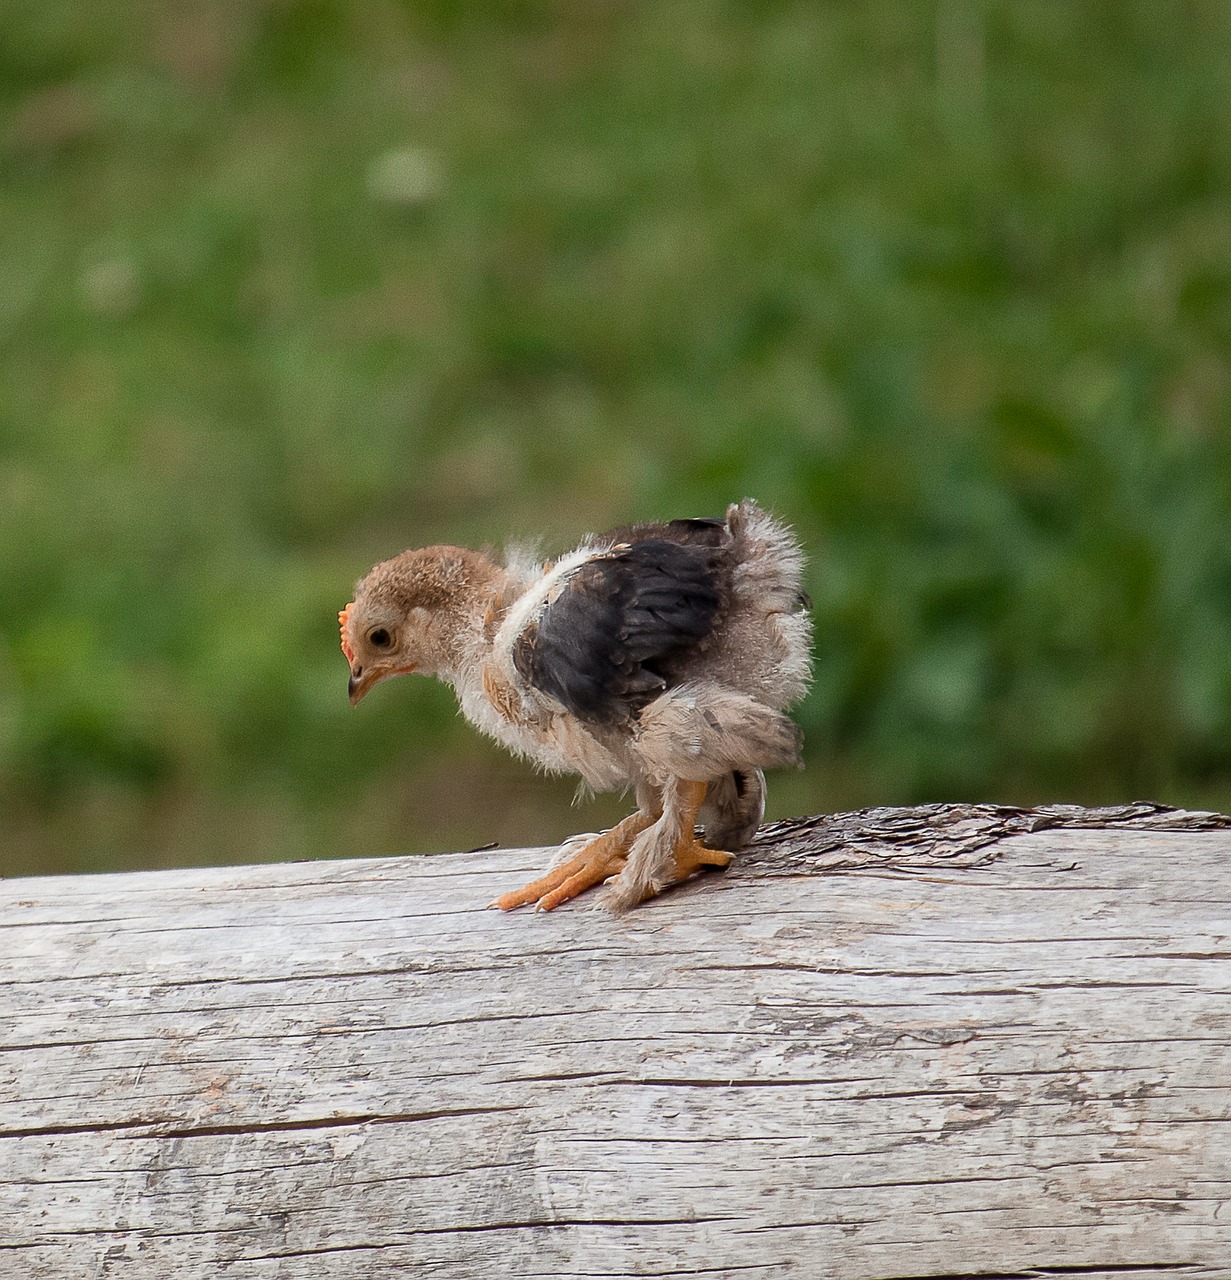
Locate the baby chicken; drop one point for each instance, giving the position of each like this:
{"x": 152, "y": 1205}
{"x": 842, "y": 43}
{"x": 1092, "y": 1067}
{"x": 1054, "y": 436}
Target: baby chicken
{"x": 658, "y": 657}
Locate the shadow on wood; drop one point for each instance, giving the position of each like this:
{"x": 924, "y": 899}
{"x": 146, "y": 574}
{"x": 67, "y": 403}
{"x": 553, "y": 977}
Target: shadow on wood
{"x": 972, "y": 1053}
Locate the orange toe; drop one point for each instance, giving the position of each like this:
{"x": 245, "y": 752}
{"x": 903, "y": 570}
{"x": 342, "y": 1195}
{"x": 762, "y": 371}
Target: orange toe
{"x": 598, "y": 861}
{"x": 590, "y": 867}
{"x": 691, "y": 856}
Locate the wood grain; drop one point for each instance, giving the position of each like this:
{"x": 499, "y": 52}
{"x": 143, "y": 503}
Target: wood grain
{"x": 1020, "y": 1067}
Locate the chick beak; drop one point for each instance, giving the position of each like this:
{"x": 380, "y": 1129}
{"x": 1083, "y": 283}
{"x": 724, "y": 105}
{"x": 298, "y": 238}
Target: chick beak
{"x": 359, "y": 683}
{"x": 362, "y": 680}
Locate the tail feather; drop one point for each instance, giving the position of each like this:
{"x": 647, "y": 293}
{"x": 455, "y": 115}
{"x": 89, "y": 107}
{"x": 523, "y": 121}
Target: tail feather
{"x": 733, "y": 809}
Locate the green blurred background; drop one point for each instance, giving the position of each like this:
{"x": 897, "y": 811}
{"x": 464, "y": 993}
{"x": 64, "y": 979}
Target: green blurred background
{"x": 286, "y": 287}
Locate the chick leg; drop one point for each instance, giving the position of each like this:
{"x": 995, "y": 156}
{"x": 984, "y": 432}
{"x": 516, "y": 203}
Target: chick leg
{"x": 690, "y": 854}
{"x": 669, "y": 851}
{"x": 599, "y": 860}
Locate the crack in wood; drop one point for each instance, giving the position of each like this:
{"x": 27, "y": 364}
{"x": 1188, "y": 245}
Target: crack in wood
{"x": 1041, "y": 1272}
{"x": 546, "y": 1225}
{"x": 153, "y": 1128}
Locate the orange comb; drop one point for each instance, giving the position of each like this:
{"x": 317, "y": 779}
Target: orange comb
{"x": 346, "y": 649}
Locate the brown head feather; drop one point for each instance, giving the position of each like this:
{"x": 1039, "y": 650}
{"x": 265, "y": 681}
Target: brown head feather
{"x": 425, "y": 602}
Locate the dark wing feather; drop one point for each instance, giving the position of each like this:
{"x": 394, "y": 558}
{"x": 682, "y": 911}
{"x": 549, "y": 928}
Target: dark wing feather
{"x": 622, "y": 629}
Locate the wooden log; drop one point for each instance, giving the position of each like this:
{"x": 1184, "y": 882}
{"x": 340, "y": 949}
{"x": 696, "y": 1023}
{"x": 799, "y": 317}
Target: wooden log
{"x": 962, "y": 1056}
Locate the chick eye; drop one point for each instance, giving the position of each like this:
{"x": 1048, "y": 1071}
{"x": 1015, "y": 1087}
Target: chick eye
{"x": 380, "y": 638}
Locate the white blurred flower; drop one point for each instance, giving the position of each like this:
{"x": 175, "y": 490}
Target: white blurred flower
{"x": 405, "y": 176}
{"x": 110, "y": 286}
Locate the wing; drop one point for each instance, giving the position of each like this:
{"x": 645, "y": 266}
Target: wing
{"x": 621, "y": 630}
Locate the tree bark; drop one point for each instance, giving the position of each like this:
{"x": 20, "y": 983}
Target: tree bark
{"x": 900, "y": 1043}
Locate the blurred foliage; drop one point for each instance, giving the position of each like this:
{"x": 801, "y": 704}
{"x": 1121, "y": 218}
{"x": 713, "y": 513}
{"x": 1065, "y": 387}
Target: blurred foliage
{"x": 288, "y": 286}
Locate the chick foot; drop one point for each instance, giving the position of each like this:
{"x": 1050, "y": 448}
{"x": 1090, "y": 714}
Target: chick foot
{"x": 691, "y": 855}
{"x": 601, "y": 859}
{"x": 669, "y": 853}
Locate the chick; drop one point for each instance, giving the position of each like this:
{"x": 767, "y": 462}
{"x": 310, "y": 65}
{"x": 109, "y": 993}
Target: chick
{"x": 658, "y": 657}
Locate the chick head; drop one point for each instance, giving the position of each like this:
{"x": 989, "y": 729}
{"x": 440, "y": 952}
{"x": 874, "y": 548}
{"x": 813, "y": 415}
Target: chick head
{"x": 403, "y": 617}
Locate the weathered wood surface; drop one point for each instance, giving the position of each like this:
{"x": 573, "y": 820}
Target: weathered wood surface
{"x": 1018, "y": 1065}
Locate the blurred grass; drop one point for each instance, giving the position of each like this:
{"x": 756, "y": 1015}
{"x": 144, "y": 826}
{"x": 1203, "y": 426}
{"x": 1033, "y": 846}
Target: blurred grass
{"x": 288, "y": 286}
